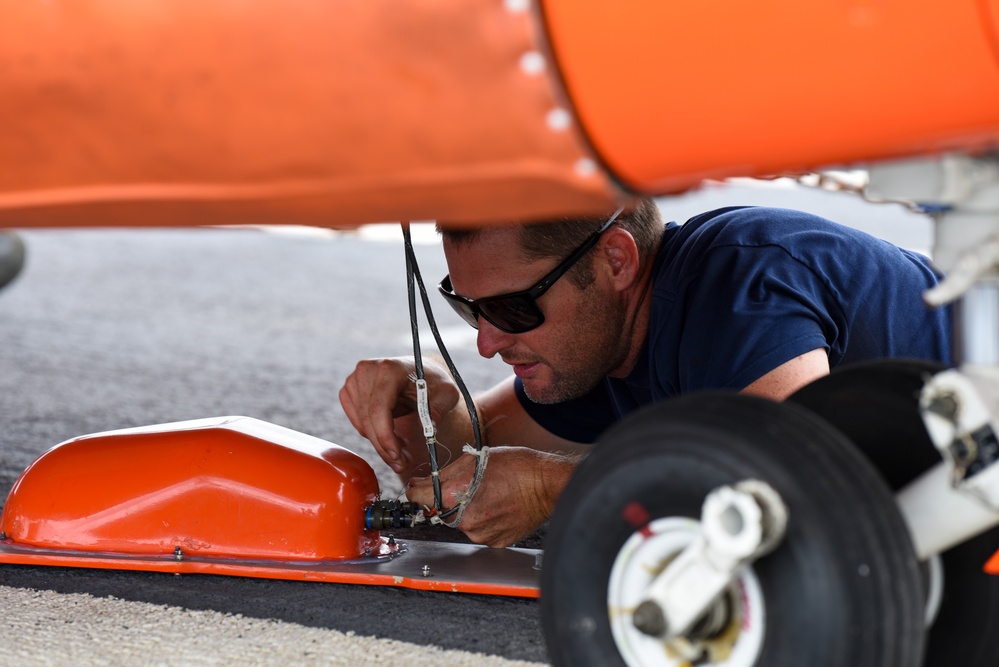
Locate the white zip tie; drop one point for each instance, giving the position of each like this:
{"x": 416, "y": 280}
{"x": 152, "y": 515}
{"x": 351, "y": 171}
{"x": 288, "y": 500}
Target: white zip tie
{"x": 484, "y": 452}
{"x": 465, "y": 498}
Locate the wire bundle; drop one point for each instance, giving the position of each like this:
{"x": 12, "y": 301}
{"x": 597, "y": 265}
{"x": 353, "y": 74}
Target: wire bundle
{"x": 414, "y": 280}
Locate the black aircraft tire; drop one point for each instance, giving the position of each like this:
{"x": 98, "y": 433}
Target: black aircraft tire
{"x": 842, "y": 588}
{"x": 876, "y": 405}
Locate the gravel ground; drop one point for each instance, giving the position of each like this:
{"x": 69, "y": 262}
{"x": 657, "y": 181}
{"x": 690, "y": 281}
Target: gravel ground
{"x": 79, "y": 629}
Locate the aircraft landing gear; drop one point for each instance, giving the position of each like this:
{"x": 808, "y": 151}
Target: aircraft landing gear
{"x": 876, "y": 405}
{"x": 843, "y": 587}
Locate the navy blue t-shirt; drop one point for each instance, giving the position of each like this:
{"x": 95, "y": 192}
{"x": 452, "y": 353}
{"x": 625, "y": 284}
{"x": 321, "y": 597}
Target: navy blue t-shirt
{"x": 739, "y": 291}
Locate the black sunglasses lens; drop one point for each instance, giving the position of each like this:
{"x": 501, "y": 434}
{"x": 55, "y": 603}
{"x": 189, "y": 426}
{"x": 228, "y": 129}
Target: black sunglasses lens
{"x": 513, "y": 314}
{"x": 466, "y": 312}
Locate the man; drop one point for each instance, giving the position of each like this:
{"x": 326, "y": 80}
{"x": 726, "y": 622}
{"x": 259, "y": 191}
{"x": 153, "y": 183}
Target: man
{"x": 752, "y": 299}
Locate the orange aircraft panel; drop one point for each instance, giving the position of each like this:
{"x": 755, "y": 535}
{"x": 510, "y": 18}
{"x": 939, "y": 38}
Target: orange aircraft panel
{"x": 187, "y": 112}
{"x": 673, "y": 92}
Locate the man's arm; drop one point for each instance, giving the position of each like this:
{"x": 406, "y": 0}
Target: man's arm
{"x": 505, "y": 422}
{"x": 791, "y": 376}
{"x": 521, "y": 484}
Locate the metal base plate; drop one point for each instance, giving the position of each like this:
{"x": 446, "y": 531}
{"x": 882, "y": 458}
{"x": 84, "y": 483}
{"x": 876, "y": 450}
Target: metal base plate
{"x": 431, "y": 566}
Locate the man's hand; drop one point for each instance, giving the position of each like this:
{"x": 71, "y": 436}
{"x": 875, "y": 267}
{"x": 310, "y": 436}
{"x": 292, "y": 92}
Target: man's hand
{"x": 516, "y": 496}
{"x": 379, "y": 398}
{"x": 521, "y": 484}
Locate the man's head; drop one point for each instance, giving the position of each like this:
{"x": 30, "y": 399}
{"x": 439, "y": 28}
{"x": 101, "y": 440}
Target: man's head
{"x": 558, "y": 238}
{"x": 560, "y": 334}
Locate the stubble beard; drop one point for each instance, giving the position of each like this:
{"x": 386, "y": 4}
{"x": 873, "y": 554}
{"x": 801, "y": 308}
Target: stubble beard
{"x": 595, "y": 335}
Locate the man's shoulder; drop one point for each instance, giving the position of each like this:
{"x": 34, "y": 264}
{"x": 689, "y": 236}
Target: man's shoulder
{"x": 759, "y": 226}
{"x": 736, "y": 226}
{"x": 745, "y": 219}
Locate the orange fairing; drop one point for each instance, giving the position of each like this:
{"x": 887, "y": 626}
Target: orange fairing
{"x": 992, "y": 566}
{"x": 187, "y": 112}
{"x": 227, "y": 487}
{"x": 671, "y": 92}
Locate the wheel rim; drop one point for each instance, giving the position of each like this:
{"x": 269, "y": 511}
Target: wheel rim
{"x": 643, "y": 556}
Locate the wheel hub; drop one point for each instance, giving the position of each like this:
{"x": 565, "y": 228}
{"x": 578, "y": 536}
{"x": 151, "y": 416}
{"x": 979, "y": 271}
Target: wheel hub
{"x": 731, "y": 631}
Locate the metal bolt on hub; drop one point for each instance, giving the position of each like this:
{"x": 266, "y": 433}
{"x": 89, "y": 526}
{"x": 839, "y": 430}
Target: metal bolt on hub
{"x": 649, "y": 619}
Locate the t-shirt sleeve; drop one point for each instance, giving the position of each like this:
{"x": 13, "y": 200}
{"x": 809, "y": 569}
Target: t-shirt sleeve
{"x": 743, "y": 313}
{"x": 580, "y": 420}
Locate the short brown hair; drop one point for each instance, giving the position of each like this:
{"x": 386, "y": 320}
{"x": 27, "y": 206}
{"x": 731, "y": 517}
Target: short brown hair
{"x": 559, "y": 237}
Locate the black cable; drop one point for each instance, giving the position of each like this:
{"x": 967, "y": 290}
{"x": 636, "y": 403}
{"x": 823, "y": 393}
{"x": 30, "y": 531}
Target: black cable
{"x": 411, "y": 272}
{"x": 414, "y": 279}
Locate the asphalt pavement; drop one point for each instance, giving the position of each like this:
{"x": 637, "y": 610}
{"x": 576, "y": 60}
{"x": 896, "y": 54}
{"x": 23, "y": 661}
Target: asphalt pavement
{"x": 108, "y": 329}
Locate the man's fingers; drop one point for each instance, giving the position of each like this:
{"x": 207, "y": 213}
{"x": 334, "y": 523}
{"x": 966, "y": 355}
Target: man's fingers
{"x": 381, "y": 433}
{"x": 373, "y": 420}
{"x": 380, "y": 399}
{"x": 454, "y": 482}
{"x": 421, "y": 491}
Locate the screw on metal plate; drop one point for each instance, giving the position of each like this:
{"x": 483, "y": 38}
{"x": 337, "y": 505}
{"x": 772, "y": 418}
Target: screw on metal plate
{"x": 178, "y": 554}
{"x": 426, "y": 570}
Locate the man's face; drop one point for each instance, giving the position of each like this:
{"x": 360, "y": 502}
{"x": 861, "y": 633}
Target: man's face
{"x": 578, "y": 343}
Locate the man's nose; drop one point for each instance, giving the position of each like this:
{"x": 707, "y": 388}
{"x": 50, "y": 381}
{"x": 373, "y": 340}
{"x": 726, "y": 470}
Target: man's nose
{"x": 491, "y": 340}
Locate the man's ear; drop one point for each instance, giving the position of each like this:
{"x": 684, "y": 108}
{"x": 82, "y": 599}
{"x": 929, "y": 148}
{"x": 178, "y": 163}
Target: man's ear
{"x": 619, "y": 253}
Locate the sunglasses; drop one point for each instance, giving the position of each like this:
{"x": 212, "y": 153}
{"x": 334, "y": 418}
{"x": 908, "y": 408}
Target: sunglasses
{"x": 518, "y": 312}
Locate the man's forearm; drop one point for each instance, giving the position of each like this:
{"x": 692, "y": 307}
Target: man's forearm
{"x": 455, "y": 431}
{"x": 556, "y": 469}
